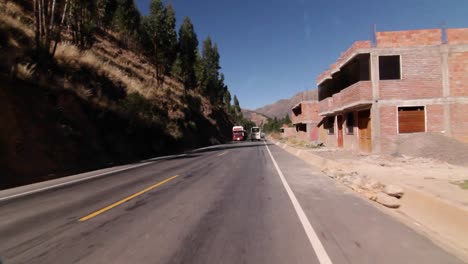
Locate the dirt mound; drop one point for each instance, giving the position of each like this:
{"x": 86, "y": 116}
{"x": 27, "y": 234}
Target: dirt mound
{"x": 435, "y": 146}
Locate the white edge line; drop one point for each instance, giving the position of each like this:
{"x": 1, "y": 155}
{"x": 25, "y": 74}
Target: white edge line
{"x": 310, "y": 232}
{"x": 69, "y": 182}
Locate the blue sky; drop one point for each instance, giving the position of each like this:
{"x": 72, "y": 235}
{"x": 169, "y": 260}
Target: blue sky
{"x": 271, "y": 50}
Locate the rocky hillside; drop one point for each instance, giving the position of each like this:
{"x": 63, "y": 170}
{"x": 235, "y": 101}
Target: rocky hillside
{"x": 91, "y": 107}
{"x": 255, "y": 117}
{"x": 282, "y": 107}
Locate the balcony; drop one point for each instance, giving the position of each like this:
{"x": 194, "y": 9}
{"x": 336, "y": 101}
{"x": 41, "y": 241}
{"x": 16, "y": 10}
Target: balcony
{"x": 305, "y": 112}
{"x": 353, "y": 96}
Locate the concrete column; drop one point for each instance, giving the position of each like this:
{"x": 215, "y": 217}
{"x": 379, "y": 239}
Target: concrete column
{"x": 445, "y": 71}
{"x": 375, "y": 111}
{"x": 375, "y": 128}
{"x": 444, "y": 51}
{"x": 374, "y": 68}
{"x": 335, "y": 124}
{"x": 309, "y": 131}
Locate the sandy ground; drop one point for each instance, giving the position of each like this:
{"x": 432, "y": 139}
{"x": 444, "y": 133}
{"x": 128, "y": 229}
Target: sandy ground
{"x": 433, "y": 203}
{"x": 437, "y": 178}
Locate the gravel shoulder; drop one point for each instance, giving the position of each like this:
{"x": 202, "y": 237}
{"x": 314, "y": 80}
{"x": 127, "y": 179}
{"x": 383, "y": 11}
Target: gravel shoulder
{"x": 432, "y": 201}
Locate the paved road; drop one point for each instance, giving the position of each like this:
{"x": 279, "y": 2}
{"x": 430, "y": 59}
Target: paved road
{"x": 225, "y": 205}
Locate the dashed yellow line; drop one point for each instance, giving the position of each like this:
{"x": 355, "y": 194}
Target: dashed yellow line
{"x": 107, "y": 208}
{"x": 224, "y": 153}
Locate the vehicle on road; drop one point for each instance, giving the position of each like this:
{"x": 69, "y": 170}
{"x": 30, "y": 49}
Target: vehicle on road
{"x": 255, "y": 133}
{"x": 238, "y": 133}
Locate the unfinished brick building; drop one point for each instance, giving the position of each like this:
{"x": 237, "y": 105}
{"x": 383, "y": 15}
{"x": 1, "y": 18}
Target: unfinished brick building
{"x": 405, "y": 82}
{"x": 305, "y": 118}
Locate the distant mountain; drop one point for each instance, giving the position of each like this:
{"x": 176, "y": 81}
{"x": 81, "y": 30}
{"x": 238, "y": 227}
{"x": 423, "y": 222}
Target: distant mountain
{"x": 282, "y": 107}
{"x": 257, "y": 118}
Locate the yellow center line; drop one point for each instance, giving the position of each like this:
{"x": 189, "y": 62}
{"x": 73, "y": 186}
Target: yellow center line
{"x": 107, "y": 208}
{"x": 219, "y": 155}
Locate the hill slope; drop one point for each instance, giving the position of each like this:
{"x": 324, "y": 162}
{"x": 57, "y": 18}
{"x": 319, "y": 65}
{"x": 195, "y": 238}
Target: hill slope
{"x": 282, "y": 107}
{"x": 91, "y": 108}
{"x": 255, "y": 117}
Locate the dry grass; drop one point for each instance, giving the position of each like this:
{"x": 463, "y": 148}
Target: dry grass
{"x": 174, "y": 130}
{"x": 12, "y": 8}
{"x": 168, "y": 94}
{"x": 25, "y": 71}
{"x": 72, "y": 56}
{"x": 122, "y": 67}
{"x": 12, "y": 18}
{"x": 275, "y": 135}
{"x": 298, "y": 142}
{"x": 462, "y": 184}
{"x": 113, "y": 65}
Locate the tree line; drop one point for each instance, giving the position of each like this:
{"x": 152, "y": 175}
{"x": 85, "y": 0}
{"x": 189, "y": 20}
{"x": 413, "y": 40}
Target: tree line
{"x": 236, "y": 112}
{"x": 275, "y": 124}
{"x": 174, "y": 53}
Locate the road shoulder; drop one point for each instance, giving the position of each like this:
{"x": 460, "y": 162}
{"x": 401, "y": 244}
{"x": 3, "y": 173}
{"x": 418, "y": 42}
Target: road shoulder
{"x": 339, "y": 215}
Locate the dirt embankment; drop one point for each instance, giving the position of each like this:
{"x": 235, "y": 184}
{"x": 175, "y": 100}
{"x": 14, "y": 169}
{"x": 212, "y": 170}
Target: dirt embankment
{"x": 434, "y": 146}
{"x": 92, "y": 108}
{"x": 50, "y": 133}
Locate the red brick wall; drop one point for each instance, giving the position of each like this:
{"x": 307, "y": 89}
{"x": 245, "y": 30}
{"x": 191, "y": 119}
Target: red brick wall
{"x": 289, "y": 132}
{"x": 314, "y": 133}
{"x": 388, "y": 127}
{"x": 359, "y": 91}
{"x": 302, "y": 135}
{"x": 458, "y": 113}
{"x": 458, "y": 71}
{"x": 421, "y": 76}
{"x": 435, "y": 118}
{"x": 408, "y": 38}
{"x": 325, "y": 138}
{"x": 310, "y": 111}
{"x": 322, "y": 134}
{"x": 457, "y": 35}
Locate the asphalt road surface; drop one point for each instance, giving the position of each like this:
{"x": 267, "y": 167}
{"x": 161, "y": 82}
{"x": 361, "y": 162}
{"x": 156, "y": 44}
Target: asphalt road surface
{"x": 232, "y": 204}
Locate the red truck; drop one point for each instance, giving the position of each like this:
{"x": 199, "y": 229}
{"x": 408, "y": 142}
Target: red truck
{"x": 238, "y": 133}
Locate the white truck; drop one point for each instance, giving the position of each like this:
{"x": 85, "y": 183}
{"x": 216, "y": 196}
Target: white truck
{"x": 255, "y": 133}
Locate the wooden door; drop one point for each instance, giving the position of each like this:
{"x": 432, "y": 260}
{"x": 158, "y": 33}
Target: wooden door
{"x": 340, "y": 131}
{"x": 365, "y": 135}
{"x": 411, "y": 120}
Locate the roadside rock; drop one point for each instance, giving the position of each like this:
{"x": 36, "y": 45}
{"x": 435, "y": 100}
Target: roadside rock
{"x": 372, "y": 184}
{"x": 393, "y": 190}
{"x": 338, "y": 174}
{"x": 371, "y": 196}
{"x": 357, "y": 181}
{"x": 330, "y": 172}
{"x": 386, "y": 200}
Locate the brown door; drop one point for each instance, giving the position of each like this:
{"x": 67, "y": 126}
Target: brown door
{"x": 365, "y": 136}
{"x": 340, "y": 131}
{"x": 411, "y": 119}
